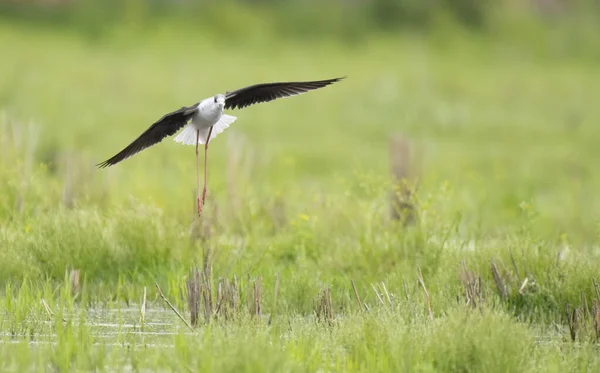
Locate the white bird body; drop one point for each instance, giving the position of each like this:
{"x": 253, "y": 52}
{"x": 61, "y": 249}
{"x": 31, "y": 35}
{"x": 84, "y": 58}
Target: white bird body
{"x": 209, "y": 113}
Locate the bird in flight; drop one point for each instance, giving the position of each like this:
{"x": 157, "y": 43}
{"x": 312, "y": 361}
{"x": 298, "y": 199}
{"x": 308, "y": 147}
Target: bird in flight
{"x": 204, "y": 120}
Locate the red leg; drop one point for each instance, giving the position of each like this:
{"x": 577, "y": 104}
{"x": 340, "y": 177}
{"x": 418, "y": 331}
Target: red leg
{"x": 205, "y": 156}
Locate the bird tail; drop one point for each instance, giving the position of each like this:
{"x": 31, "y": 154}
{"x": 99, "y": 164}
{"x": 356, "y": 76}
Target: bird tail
{"x": 188, "y": 135}
{"x": 223, "y": 123}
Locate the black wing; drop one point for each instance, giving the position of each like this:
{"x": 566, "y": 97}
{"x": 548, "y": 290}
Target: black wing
{"x": 165, "y": 126}
{"x": 265, "y": 92}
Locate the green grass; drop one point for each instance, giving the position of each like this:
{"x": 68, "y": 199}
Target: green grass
{"x": 298, "y": 189}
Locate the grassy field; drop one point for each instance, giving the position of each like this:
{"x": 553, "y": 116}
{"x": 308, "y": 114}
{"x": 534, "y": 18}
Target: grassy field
{"x": 300, "y": 266}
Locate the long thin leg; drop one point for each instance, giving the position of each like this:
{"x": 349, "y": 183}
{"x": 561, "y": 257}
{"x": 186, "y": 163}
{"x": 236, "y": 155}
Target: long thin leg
{"x": 205, "y": 156}
{"x": 198, "y": 172}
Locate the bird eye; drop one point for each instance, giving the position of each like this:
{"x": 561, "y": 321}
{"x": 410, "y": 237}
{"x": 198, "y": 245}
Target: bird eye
{"x": 215, "y": 99}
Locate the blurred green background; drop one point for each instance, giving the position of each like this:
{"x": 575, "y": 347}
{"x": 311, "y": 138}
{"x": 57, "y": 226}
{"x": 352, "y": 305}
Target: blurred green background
{"x": 497, "y": 101}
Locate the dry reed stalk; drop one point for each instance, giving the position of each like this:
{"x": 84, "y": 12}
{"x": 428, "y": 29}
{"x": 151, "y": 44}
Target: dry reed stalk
{"x": 596, "y": 309}
{"x": 514, "y": 264}
{"x": 256, "y": 290}
{"x": 182, "y": 296}
{"x": 206, "y": 292}
{"x": 206, "y": 257}
{"x": 227, "y": 299}
{"x": 401, "y": 206}
{"x": 387, "y": 295}
{"x": 47, "y": 309}
{"x": 427, "y": 300}
{"x": 143, "y": 309}
{"x": 568, "y": 316}
{"x": 253, "y": 298}
{"x": 523, "y": 286}
{"x": 575, "y": 320}
{"x": 193, "y": 295}
{"x": 275, "y": 292}
{"x": 379, "y": 298}
{"x": 579, "y": 317}
{"x": 596, "y": 318}
{"x": 232, "y": 297}
{"x": 584, "y": 305}
{"x": 361, "y": 306}
{"x": 323, "y": 307}
{"x": 596, "y": 289}
{"x": 502, "y": 289}
{"x": 220, "y": 298}
{"x": 172, "y": 307}
{"x": 74, "y": 278}
{"x": 236, "y": 288}
{"x": 383, "y": 296}
{"x": 472, "y": 287}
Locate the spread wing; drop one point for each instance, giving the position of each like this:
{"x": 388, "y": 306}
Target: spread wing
{"x": 165, "y": 126}
{"x": 265, "y": 92}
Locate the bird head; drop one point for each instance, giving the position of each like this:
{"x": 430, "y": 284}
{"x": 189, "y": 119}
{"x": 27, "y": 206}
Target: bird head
{"x": 219, "y": 100}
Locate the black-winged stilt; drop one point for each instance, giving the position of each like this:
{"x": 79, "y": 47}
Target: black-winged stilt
{"x": 208, "y": 120}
